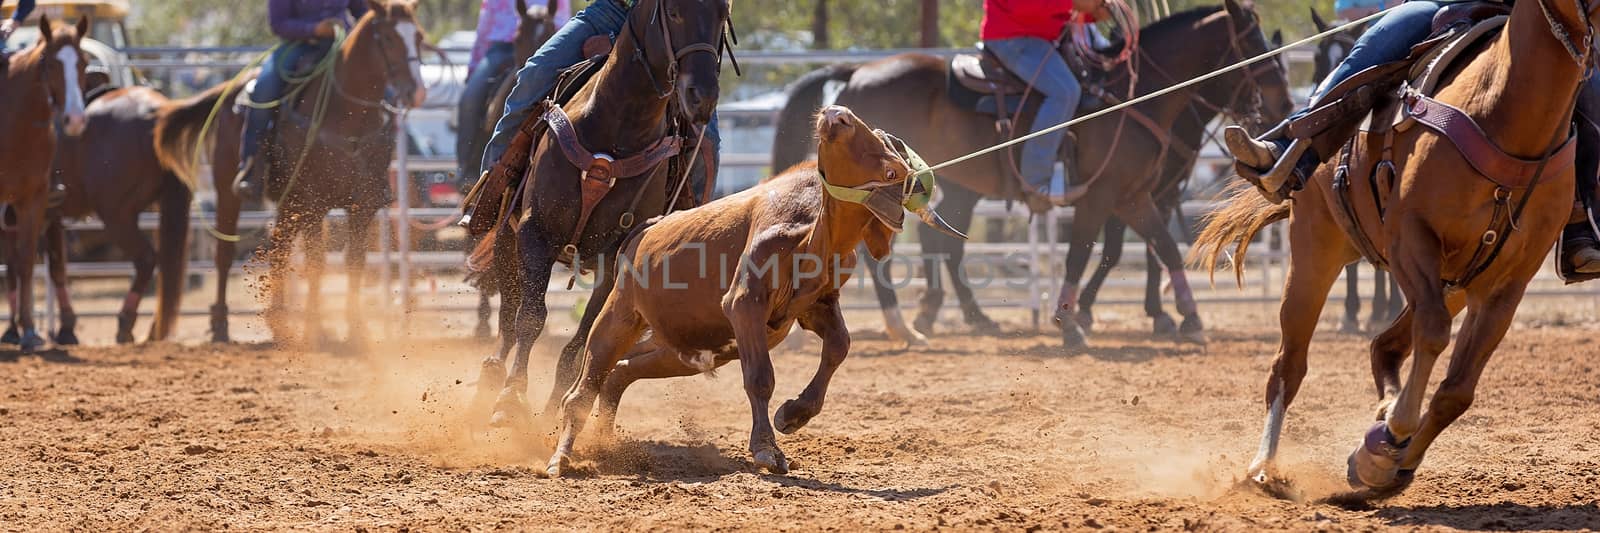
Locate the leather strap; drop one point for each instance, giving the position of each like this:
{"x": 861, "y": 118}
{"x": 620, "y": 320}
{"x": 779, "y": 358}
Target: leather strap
{"x": 567, "y": 138}
{"x": 1488, "y": 159}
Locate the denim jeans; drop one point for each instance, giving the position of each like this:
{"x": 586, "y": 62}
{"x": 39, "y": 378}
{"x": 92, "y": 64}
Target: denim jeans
{"x": 1025, "y": 56}
{"x": 1389, "y": 39}
{"x": 537, "y": 77}
{"x": 485, "y": 78}
{"x": 270, "y": 86}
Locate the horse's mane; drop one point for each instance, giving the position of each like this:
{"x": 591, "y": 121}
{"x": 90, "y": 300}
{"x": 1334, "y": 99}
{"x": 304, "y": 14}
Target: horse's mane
{"x": 1181, "y": 19}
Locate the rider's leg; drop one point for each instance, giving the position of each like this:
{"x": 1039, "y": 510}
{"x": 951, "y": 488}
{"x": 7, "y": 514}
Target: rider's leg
{"x": 1036, "y": 60}
{"x": 474, "y": 103}
{"x": 710, "y": 151}
{"x": 538, "y": 76}
{"x": 1580, "y": 249}
{"x": 1389, "y": 39}
{"x": 269, "y": 87}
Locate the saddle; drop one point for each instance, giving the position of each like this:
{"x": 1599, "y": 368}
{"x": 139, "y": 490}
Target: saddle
{"x": 1368, "y": 155}
{"x": 980, "y": 82}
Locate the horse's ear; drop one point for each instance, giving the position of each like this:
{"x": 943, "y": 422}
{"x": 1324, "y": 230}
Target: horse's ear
{"x": 550, "y": 9}
{"x": 83, "y": 27}
{"x": 44, "y": 29}
{"x": 522, "y": 9}
{"x": 1316, "y": 20}
{"x": 378, "y": 8}
{"x": 1277, "y": 38}
{"x": 1237, "y": 8}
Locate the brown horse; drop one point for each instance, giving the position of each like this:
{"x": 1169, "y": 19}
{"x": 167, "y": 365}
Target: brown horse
{"x": 111, "y": 172}
{"x": 1431, "y": 233}
{"x": 659, "y": 83}
{"x": 535, "y": 25}
{"x": 907, "y": 93}
{"x": 340, "y": 162}
{"x": 699, "y": 323}
{"x": 37, "y": 85}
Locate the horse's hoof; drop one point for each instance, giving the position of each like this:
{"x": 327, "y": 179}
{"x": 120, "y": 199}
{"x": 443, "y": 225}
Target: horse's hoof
{"x": 559, "y": 464}
{"x": 1350, "y": 326}
{"x": 11, "y": 336}
{"x": 65, "y": 337}
{"x": 1072, "y": 338}
{"x": 1375, "y": 465}
{"x": 905, "y": 336}
{"x": 1162, "y": 325}
{"x": 31, "y": 341}
{"x": 220, "y": 336}
{"x": 1192, "y": 330}
{"x": 924, "y": 323}
{"x": 1085, "y": 319}
{"x": 981, "y": 323}
{"x": 125, "y": 329}
{"x": 789, "y": 418}
{"x": 510, "y": 412}
{"x": 1268, "y": 482}
{"x": 481, "y": 331}
{"x": 772, "y": 460}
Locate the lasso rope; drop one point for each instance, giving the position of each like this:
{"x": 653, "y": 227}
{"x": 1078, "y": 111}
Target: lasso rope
{"x": 1163, "y": 92}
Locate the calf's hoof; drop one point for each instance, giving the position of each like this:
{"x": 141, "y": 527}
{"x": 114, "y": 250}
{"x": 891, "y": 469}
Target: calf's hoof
{"x": 772, "y": 460}
{"x": 1375, "y": 465}
{"x": 31, "y": 341}
{"x": 560, "y": 463}
{"x": 65, "y": 337}
{"x": 1162, "y": 325}
{"x": 791, "y": 417}
{"x": 11, "y": 336}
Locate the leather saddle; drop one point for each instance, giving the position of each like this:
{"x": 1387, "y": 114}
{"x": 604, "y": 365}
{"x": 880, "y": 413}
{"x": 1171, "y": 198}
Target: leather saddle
{"x": 982, "y": 83}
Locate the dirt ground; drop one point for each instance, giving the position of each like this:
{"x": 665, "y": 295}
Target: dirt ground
{"x": 975, "y": 432}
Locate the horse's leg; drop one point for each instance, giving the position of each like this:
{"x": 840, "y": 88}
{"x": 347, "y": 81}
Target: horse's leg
{"x": 1376, "y": 463}
{"x": 1352, "y": 298}
{"x": 960, "y": 207}
{"x": 11, "y": 336}
{"x": 1110, "y": 256}
{"x": 1318, "y": 250}
{"x": 956, "y": 208}
{"x": 56, "y": 253}
{"x": 537, "y": 259}
{"x": 485, "y": 311}
{"x": 616, "y": 330}
{"x": 30, "y": 222}
{"x": 1147, "y": 221}
{"x": 316, "y": 251}
{"x": 825, "y": 319}
{"x": 1086, "y": 224}
{"x": 355, "y": 264}
{"x": 124, "y": 230}
{"x": 894, "y": 323}
{"x": 506, "y": 272}
{"x": 1396, "y": 301}
{"x": 569, "y": 363}
{"x": 1485, "y": 326}
{"x": 1161, "y": 323}
{"x": 1389, "y": 351}
{"x": 227, "y": 226}
{"x": 932, "y": 298}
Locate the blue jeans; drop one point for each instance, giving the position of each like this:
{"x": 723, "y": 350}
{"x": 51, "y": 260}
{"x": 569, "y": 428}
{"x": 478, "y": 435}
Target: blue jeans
{"x": 270, "y": 86}
{"x": 1389, "y": 39}
{"x": 1024, "y": 56}
{"x": 537, "y": 77}
{"x": 485, "y": 78}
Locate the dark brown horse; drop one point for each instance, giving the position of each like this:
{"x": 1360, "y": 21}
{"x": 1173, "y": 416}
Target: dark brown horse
{"x": 1458, "y": 233}
{"x": 38, "y": 85}
{"x": 535, "y": 25}
{"x": 331, "y": 149}
{"x": 906, "y": 93}
{"x": 660, "y": 81}
{"x": 111, "y": 172}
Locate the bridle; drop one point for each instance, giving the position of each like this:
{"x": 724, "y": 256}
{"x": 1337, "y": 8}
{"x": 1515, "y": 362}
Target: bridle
{"x": 1251, "y": 113}
{"x": 391, "y": 71}
{"x": 1581, "y": 51}
{"x": 657, "y": 19}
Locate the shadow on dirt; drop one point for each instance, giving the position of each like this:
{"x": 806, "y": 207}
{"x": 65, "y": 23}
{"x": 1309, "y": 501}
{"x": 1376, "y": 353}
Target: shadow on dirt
{"x": 1496, "y": 517}
{"x": 888, "y": 495}
{"x": 54, "y": 356}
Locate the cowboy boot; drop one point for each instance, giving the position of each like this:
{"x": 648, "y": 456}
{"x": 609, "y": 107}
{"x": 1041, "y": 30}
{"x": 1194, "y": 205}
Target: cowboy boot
{"x": 1073, "y": 189}
{"x": 1580, "y": 249}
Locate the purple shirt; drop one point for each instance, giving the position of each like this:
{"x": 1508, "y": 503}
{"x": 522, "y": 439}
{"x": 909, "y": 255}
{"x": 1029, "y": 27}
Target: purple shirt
{"x": 294, "y": 20}
{"x": 497, "y": 23}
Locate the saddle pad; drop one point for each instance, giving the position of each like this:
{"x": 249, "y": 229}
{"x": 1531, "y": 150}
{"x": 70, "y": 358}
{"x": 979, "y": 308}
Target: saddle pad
{"x": 982, "y": 73}
{"x": 1429, "y": 69}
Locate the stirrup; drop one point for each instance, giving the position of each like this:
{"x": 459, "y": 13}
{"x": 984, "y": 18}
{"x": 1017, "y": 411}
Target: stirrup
{"x": 1271, "y": 184}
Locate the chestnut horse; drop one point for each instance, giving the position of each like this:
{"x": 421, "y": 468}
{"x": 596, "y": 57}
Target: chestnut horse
{"x": 331, "y": 149}
{"x": 534, "y": 26}
{"x": 660, "y": 80}
{"x": 1519, "y": 88}
{"x": 37, "y": 85}
{"x": 906, "y": 93}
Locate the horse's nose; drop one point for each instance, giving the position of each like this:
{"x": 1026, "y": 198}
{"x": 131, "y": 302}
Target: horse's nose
{"x": 836, "y": 115}
{"x": 75, "y": 124}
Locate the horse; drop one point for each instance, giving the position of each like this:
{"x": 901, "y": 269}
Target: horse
{"x": 535, "y": 25}
{"x": 907, "y": 93}
{"x": 1431, "y": 233}
{"x": 660, "y": 77}
{"x": 332, "y": 145}
{"x": 38, "y": 84}
{"x": 805, "y": 216}
{"x": 1386, "y": 301}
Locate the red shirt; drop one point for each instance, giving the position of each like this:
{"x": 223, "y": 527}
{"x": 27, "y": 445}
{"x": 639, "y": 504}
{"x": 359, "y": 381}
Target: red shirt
{"x": 1006, "y": 19}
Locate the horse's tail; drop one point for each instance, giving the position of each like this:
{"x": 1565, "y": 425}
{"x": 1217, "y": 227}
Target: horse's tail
{"x": 791, "y": 142}
{"x": 179, "y": 124}
{"x": 173, "y": 254}
{"x": 1236, "y": 223}
{"x": 480, "y": 263}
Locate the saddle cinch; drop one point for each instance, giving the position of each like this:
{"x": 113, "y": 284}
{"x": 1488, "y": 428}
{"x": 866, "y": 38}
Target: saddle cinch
{"x": 1361, "y": 115}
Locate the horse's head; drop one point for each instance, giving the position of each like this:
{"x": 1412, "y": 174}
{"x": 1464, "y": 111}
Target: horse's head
{"x": 683, "y": 38}
{"x": 1260, "y": 91}
{"x": 1332, "y": 50}
{"x": 535, "y": 25}
{"x": 62, "y": 63}
{"x": 390, "y": 33}
{"x": 871, "y": 168}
